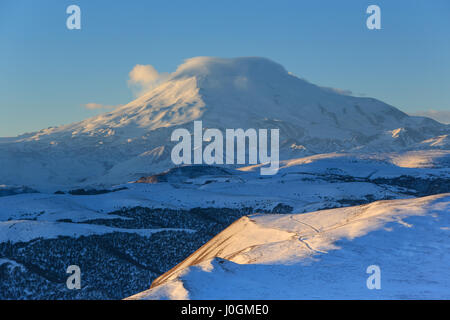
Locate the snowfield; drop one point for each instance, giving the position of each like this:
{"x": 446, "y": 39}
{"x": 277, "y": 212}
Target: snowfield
{"x": 25, "y": 230}
{"x": 304, "y": 184}
{"x": 322, "y": 255}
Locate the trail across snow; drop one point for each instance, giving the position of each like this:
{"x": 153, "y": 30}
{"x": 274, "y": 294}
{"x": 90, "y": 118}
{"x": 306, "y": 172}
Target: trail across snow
{"x": 322, "y": 254}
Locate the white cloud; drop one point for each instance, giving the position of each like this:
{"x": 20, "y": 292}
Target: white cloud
{"x": 344, "y": 92}
{"x": 442, "y": 116}
{"x": 143, "y": 78}
{"x": 94, "y": 106}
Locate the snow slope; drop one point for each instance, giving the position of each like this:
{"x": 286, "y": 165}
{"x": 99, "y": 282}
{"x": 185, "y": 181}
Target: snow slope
{"x": 134, "y": 140}
{"x": 305, "y": 184}
{"x": 322, "y": 254}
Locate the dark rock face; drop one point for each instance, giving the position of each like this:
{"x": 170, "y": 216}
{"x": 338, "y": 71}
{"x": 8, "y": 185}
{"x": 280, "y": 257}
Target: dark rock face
{"x": 180, "y": 174}
{"x": 418, "y": 186}
{"x": 282, "y": 208}
{"x": 90, "y": 192}
{"x": 10, "y": 191}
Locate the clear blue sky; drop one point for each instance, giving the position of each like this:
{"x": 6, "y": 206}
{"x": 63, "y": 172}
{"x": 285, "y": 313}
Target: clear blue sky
{"x": 47, "y": 72}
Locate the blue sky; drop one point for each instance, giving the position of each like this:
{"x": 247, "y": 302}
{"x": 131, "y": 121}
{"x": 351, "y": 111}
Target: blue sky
{"x": 48, "y": 73}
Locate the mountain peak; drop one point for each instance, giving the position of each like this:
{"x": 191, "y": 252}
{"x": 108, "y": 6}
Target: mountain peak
{"x": 226, "y": 67}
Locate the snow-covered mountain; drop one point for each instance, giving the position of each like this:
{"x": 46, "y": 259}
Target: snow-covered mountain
{"x": 134, "y": 140}
{"x": 322, "y": 255}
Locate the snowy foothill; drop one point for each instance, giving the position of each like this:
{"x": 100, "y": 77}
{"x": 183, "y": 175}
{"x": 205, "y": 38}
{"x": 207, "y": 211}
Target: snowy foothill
{"x": 322, "y": 255}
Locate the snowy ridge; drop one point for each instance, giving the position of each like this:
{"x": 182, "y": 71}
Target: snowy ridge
{"x": 321, "y": 254}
